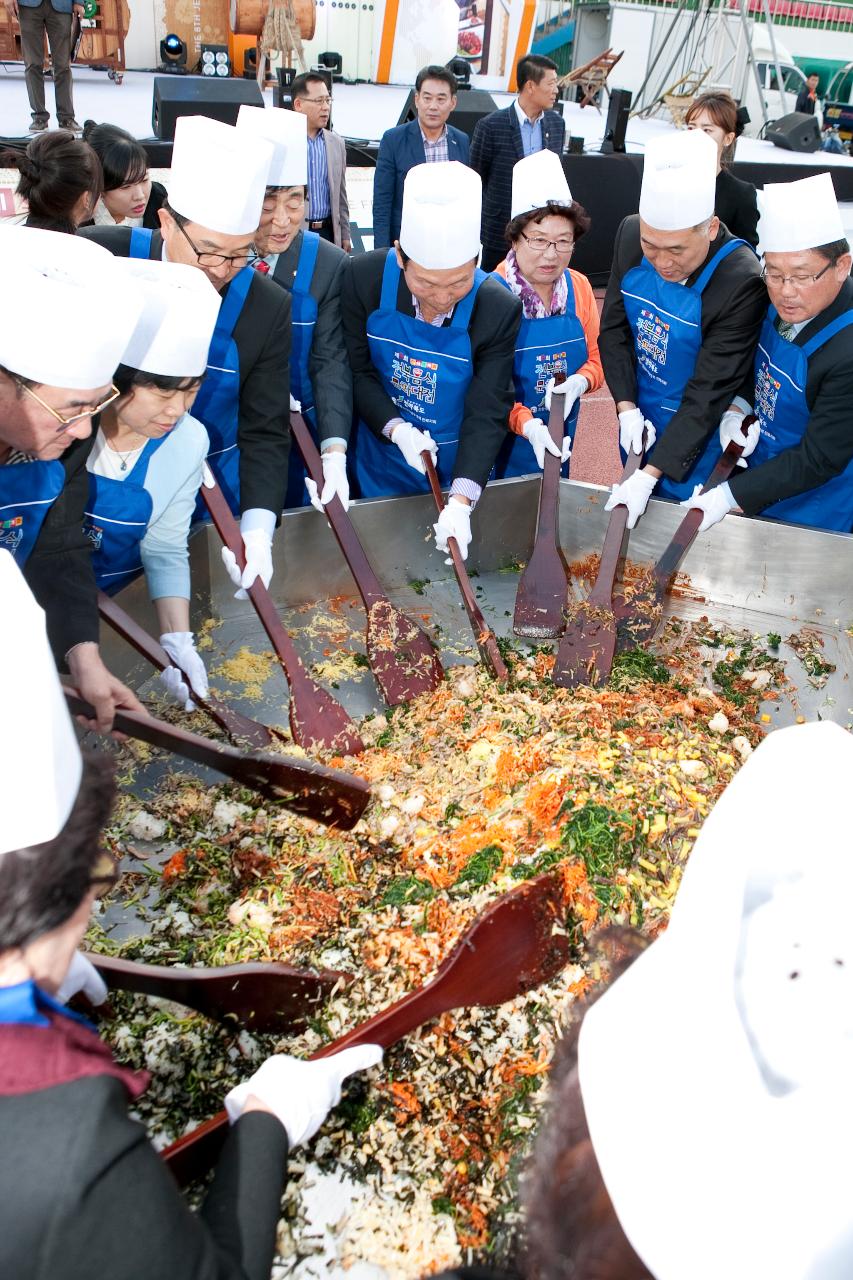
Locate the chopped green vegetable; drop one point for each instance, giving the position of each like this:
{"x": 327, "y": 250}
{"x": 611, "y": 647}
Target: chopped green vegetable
{"x": 406, "y": 889}
{"x": 774, "y": 639}
{"x": 481, "y": 866}
{"x": 635, "y": 665}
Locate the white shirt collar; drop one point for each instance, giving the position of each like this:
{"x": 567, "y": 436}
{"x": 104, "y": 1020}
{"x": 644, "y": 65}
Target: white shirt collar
{"x": 522, "y": 118}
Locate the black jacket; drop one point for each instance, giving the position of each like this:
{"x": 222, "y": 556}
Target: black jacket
{"x": 494, "y": 326}
{"x": 495, "y": 148}
{"x": 735, "y": 205}
{"x": 827, "y": 445}
{"x": 262, "y": 335}
{"x": 733, "y": 306}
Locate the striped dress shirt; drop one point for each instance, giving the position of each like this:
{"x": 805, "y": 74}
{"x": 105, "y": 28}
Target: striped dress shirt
{"x": 319, "y": 202}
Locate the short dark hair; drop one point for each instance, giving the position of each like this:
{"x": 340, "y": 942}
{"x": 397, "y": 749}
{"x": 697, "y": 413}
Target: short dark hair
{"x": 122, "y": 157}
{"x": 56, "y": 170}
{"x": 832, "y": 252}
{"x": 41, "y": 886}
{"x": 575, "y": 213}
{"x": 126, "y": 378}
{"x": 18, "y": 380}
{"x": 532, "y": 67}
{"x": 436, "y": 73}
{"x": 300, "y": 84}
{"x": 173, "y": 213}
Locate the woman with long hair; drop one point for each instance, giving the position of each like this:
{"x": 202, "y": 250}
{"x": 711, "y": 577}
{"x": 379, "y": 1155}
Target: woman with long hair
{"x": 60, "y": 179}
{"x": 716, "y": 113}
{"x": 129, "y": 197}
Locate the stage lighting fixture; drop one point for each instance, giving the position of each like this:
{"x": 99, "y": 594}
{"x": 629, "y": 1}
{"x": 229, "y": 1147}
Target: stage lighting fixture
{"x": 214, "y": 60}
{"x": 461, "y": 69}
{"x": 173, "y": 54}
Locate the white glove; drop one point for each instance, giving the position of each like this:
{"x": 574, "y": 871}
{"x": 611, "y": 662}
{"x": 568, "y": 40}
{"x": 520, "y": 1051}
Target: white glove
{"x": 295, "y": 406}
{"x": 411, "y": 442}
{"x": 181, "y": 649}
{"x": 257, "y": 548}
{"x": 634, "y": 493}
{"x": 631, "y": 424}
{"x": 301, "y": 1094}
{"x": 334, "y": 481}
{"x": 454, "y": 522}
{"x": 574, "y": 387}
{"x": 82, "y": 978}
{"x": 539, "y": 436}
{"x": 713, "y": 505}
{"x": 730, "y": 429}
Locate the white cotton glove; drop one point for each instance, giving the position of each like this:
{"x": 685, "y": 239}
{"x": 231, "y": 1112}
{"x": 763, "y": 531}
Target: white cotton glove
{"x": 454, "y": 522}
{"x": 634, "y": 493}
{"x": 536, "y": 431}
{"x": 631, "y": 424}
{"x": 713, "y": 505}
{"x": 334, "y": 481}
{"x": 411, "y": 442}
{"x": 256, "y": 529}
{"x": 82, "y": 978}
{"x": 301, "y": 1094}
{"x": 571, "y": 390}
{"x": 731, "y": 425}
{"x": 295, "y": 406}
{"x": 181, "y": 649}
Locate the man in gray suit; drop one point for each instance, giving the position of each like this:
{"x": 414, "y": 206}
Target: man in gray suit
{"x": 53, "y": 17}
{"x": 328, "y": 208}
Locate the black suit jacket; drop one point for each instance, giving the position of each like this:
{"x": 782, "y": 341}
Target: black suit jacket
{"x": 495, "y": 149}
{"x": 735, "y": 205}
{"x": 262, "y": 335}
{"x": 495, "y": 321}
{"x": 733, "y": 306}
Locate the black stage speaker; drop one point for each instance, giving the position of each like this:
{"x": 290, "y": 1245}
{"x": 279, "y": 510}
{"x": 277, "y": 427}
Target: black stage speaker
{"x": 199, "y": 96}
{"x": 618, "y": 110}
{"x": 795, "y": 132}
{"x": 471, "y": 106}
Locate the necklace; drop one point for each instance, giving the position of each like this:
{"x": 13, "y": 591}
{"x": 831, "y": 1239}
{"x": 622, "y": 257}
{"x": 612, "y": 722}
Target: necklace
{"x": 123, "y": 458}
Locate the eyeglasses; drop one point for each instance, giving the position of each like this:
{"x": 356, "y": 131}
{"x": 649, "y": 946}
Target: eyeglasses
{"x": 539, "y": 244}
{"x": 75, "y": 417}
{"x": 216, "y": 259}
{"x": 776, "y": 280}
{"x": 323, "y": 102}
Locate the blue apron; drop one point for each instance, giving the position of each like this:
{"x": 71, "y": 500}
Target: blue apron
{"x": 24, "y": 1004}
{"x": 426, "y": 371}
{"x": 303, "y": 320}
{"x": 117, "y": 518}
{"x": 545, "y": 347}
{"x": 140, "y": 242}
{"x": 781, "y": 369}
{"x": 27, "y": 492}
{"x": 666, "y": 323}
{"x": 217, "y": 404}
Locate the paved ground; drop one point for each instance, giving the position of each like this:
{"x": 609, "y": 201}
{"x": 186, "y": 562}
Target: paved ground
{"x": 595, "y": 456}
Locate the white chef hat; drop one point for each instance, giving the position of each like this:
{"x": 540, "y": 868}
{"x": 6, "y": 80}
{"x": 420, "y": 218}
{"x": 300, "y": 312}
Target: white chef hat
{"x": 440, "y": 224}
{"x": 798, "y": 215}
{"x": 219, "y": 175}
{"x": 288, "y": 133}
{"x": 741, "y": 1015}
{"x": 67, "y": 316}
{"x": 536, "y": 181}
{"x": 679, "y": 180}
{"x": 178, "y": 317}
{"x": 42, "y": 765}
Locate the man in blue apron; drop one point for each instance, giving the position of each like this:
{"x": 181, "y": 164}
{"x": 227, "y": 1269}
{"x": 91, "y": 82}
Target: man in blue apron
{"x": 680, "y": 322}
{"x": 801, "y": 468}
{"x": 310, "y": 269}
{"x": 431, "y": 342}
{"x": 216, "y": 191}
{"x": 61, "y": 338}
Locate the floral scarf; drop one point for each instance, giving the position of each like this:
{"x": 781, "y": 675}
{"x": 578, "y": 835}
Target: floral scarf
{"x": 532, "y": 305}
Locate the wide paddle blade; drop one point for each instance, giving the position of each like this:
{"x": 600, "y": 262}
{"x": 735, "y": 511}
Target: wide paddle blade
{"x": 264, "y": 996}
{"x": 237, "y": 726}
{"x": 326, "y": 795}
{"x": 317, "y": 721}
{"x": 516, "y": 944}
{"x": 588, "y": 646}
{"x": 639, "y": 607}
{"x": 541, "y": 597}
{"x": 401, "y": 655}
{"x": 487, "y": 645}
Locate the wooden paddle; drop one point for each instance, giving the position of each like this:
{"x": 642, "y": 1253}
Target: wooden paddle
{"x": 588, "y": 646}
{"x": 237, "y": 726}
{"x": 540, "y": 602}
{"x": 490, "y": 654}
{"x": 639, "y": 614}
{"x": 509, "y": 949}
{"x": 317, "y": 721}
{"x": 264, "y": 996}
{"x": 326, "y": 795}
{"x": 401, "y": 655}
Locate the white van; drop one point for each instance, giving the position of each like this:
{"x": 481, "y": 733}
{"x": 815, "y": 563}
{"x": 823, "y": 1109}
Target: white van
{"x": 793, "y": 81}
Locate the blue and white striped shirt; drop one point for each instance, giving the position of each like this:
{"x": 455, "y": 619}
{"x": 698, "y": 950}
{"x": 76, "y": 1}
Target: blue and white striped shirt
{"x": 319, "y": 203}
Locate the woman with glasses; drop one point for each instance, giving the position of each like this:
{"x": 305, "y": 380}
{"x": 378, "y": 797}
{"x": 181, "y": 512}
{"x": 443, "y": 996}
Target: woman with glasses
{"x": 145, "y": 467}
{"x": 129, "y": 197}
{"x": 559, "y": 331}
